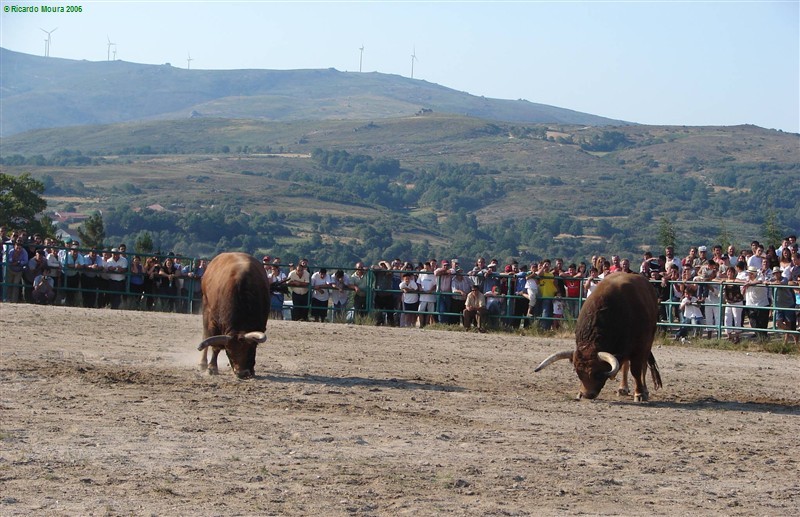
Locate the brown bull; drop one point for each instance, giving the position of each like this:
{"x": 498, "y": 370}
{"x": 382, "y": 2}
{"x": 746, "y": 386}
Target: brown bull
{"x": 616, "y": 325}
{"x": 236, "y": 302}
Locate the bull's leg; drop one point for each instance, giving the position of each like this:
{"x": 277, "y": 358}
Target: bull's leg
{"x": 623, "y": 383}
{"x": 204, "y": 360}
{"x": 212, "y": 365}
{"x": 639, "y": 370}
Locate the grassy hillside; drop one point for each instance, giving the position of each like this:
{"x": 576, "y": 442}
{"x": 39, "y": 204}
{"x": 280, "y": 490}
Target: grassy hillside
{"x": 462, "y": 185}
{"x": 43, "y": 92}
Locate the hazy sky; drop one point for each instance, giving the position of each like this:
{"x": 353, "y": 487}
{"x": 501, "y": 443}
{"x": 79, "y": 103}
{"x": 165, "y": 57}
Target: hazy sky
{"x": 681, "y": 63}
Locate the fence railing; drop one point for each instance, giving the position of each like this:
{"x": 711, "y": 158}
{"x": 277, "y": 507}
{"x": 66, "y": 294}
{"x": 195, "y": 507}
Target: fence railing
{"x": 381, "y": 302}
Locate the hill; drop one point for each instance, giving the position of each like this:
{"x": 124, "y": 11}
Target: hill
{"x": 39, "y": 92}
{"x": 431, "y": 184}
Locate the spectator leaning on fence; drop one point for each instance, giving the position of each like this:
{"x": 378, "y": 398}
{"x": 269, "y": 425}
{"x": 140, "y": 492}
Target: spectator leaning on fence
{"x": 299, "y": 281}
{"x": 756, "y": 298}
{"x": 72, "y": 265}
{"x": 117, "y": 267}
{"x": 359, "y": 282}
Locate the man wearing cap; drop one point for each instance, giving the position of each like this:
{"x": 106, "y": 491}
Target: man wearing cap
{"x": 756, "y": 298}
{"x": 117, "y": 269}
{"x": 475, "y": 309}
{"x": 73, "y": 265}
{"x": 701, "y": 260}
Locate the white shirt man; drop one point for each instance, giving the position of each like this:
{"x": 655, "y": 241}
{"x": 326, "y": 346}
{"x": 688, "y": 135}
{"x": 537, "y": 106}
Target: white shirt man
{"x": 755, "y": 292}
{"x": 757, "y": 259}
{"x": 116, "y": 266}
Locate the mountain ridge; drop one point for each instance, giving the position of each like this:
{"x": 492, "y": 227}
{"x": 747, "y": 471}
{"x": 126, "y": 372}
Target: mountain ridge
{"x": 39, "y": 92}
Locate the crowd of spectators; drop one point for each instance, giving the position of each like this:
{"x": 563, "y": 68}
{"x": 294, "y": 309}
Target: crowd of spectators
{"x": 43, "y": 271}
{"x": 701, "y": 293}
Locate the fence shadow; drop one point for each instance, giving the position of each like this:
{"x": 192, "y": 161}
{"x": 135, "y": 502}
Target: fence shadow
{"x": 348, "y": 382}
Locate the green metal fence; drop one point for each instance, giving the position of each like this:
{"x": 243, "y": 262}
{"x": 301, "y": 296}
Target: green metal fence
{"x": 185, "y": 297}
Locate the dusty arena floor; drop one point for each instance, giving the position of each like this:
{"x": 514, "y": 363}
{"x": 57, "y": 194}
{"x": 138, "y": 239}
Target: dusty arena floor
{"x": 105, "y": 413}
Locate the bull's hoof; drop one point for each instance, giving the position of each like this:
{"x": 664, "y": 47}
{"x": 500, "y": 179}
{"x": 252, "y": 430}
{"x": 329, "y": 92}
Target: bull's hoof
{"x": 623, "y": 392}
{"x": 203, "y": 366}
{"x": 641, "y": 397}
{"x": 213, "y": 371}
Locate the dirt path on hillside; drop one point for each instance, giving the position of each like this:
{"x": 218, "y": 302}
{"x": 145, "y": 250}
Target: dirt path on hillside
{"x": 105, "y": 413}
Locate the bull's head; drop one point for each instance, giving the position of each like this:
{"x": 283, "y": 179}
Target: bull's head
{"x": 240, "y": 349}
{"x": 592, "y": 368}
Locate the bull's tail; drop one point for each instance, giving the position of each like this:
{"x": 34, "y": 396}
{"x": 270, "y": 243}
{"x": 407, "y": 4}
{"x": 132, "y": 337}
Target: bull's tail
{"x": 651, "y": 362}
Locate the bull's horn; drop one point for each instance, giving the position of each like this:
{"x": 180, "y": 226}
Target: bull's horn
{"x": 213, "y": 341}
{"x": 258, "y": 337}
{"x": 610, "y": 359}
{"x": 566, "y": 354}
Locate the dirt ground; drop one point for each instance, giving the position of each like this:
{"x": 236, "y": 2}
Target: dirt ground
{"x": 105, "y": 413}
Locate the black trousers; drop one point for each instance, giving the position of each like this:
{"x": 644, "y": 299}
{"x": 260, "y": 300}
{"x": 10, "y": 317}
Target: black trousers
{"x": 299, "y": 307}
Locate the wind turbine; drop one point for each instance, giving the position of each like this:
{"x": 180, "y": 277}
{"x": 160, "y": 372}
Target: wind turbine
{"x": 47, "y": 41}
{"x": 109, "y": 48}
{"x": 188, "y": 60}
{"x": 115, "y": 52}
{"x": 413, "y": 58}
{"x": 361, "y": 58}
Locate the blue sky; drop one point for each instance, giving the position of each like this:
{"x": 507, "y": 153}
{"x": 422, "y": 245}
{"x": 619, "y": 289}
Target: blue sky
{"x": 678, "y": 63}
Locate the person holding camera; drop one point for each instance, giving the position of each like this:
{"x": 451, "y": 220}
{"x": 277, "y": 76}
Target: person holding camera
{"x": 591, "y": 281}
{"x": 692, "y": 314}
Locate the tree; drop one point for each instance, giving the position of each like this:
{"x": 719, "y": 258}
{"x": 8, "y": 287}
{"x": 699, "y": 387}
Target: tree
{"x": 21, "y": 201}
{"x": 92, "y": 233}
{"x": 772, "y": 231}
{"x": 725, "y": 238}
{"x": 144, "y": 243}
{"x": 666, "y": 233}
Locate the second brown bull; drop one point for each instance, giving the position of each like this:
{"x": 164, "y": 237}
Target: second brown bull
{"x": 616, "y": 325}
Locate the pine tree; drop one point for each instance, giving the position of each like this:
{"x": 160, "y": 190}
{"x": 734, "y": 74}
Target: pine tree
{"x": 772, "y": 232}
{"x": 724, "y": 238}
{"x": 666, "y": 233}
{"x": 144, "y": 243}
{"x": 92, "y": 233}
